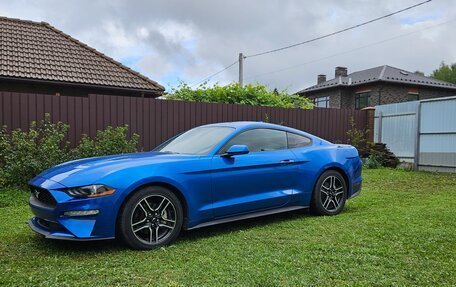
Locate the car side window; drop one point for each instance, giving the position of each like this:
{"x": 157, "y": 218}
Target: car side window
{"x": 259, "y": 140}
{"x": 295, "y": 140}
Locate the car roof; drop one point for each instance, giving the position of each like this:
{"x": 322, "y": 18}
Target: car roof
{"x": 243, "y": 125}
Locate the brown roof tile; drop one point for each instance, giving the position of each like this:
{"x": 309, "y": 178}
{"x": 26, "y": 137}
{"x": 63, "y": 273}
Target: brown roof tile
{"x": 36, "y": 50}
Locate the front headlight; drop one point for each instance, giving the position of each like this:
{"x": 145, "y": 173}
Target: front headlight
{"x": 94, "y": 190}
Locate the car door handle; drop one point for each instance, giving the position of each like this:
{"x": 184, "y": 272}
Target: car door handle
{"x": 287, "y": 161}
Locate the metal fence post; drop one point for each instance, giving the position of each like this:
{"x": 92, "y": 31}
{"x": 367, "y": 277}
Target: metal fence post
{"x": 380, "y": 120}
{"x": 416, "y": 159}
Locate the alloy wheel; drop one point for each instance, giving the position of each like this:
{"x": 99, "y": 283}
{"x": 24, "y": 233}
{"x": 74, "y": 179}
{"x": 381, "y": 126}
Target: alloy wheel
{"x": 332, "y": 193}
{"x": 153, "y": 219}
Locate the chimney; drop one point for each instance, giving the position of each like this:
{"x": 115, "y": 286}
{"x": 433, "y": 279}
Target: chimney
{"x": 321, "y": 79}
{"x": 340, "y": 72}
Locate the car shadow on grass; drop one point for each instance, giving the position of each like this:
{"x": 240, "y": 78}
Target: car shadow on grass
{"x": 102, "y": 246}
{"x": 76, "y": 247}
{"x": 68, "y": 247}
{"x": 244, "y": 225}
{"x": 257, "y": 222}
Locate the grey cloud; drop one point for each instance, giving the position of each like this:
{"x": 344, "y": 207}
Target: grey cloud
{"x": 222, "y": 29}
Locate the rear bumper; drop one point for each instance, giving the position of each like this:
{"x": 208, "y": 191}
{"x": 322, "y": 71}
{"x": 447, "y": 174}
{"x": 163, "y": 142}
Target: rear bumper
{"x": 356, "y": 188}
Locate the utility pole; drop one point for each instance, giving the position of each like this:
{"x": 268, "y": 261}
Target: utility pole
{"x": 241, "y": 69}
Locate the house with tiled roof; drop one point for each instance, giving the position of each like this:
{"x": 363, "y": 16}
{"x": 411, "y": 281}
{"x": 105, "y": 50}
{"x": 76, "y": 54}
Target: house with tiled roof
{"x": 375, "y": 86}
{"x": 35, "y": 57}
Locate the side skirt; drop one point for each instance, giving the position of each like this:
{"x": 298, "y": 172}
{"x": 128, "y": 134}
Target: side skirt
{"x": 247, "y": 216}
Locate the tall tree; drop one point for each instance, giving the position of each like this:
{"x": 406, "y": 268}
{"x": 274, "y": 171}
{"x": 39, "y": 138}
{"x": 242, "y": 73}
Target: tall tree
{"x": 445, "y": 73}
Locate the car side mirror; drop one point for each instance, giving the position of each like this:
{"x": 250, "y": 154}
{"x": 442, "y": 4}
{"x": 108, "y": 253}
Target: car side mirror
{"x": 236, "y": 149}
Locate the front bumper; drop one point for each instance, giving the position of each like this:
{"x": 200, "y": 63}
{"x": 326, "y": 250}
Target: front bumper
{"x": 50, "y": 219}
{"x": 35, "y": 225}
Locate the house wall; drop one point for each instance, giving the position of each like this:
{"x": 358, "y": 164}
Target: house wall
{"x": 347, "y": 100}
{"x": 394, "y": 93}
{"x": 333, "y": 94}
{"x": 380, "y": 94}
{"x": 426, "y": 93}
{"x": 36, "y": 87}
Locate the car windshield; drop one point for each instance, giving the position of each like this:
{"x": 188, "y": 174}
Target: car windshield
{"x": 199, "y": 140}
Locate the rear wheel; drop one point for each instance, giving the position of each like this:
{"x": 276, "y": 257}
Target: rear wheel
{"x": 330, "y": 194}
{"x": 152, "y": 217}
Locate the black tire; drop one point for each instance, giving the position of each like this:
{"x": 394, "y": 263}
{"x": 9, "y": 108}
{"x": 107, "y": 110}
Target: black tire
{"x": 330, "y": 194}
{"x": 146, "y": 218}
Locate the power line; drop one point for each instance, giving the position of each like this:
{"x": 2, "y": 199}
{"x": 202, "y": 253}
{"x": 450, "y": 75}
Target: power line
{"x": 337, "y": 32}
{"x": 348, "y": 51}
{"x": 215, "y": 74}
{"x": 311, "y": 40}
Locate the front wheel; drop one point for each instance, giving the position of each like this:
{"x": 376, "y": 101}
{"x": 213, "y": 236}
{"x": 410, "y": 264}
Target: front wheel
{"x": 329, "y": 194}
{"x": 152, "y": 217}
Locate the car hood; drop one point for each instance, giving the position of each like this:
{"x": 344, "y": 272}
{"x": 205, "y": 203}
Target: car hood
{"x": 98, "y": 167}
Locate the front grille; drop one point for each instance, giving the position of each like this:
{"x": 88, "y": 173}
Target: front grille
{"x": 43, "y": 196}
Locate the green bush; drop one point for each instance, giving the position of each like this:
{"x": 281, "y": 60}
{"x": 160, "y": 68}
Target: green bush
{"x": 383, "y": 155}
{"x": 358, "y": 137}
{"x": 257, "y": 95}
{"x": 372, "y": 162}
{"x": 107, "y": 142}
{"x": 24, "y": 154}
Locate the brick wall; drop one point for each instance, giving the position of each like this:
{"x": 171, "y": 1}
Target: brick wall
{"x": 430, "y": 93}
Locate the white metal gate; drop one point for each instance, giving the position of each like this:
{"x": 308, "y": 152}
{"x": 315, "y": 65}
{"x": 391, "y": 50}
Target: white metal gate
{"x": 420, "y": 132}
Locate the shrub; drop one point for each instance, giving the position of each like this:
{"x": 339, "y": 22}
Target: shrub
{"x": 24, "y": 154}
{"x": 358, "y": 137}
{"x": 383, "y": 155}
{"x": 372, "y": 162}
{"x": 257, "y": 95}
{"x": 107, "y": 142}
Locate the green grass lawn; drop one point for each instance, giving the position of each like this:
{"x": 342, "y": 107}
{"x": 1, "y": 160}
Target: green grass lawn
{"x": 400, "y": 231}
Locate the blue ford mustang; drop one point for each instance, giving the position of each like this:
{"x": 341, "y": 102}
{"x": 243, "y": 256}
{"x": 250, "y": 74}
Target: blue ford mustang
{"x": 208, "y": 175}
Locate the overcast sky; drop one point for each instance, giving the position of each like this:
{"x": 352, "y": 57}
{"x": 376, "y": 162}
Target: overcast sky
{"x": 172, "y": 41}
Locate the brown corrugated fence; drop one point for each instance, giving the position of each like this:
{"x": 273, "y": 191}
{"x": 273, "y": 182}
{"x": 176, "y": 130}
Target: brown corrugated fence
{"x": 157, "y": 120}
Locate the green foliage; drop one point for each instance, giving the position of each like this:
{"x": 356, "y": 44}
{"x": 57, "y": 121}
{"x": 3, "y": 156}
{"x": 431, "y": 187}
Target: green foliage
{"x": 106, "y": 142}
{"x": 357, "y": 137}
{"x": 256, "y": 95}
{"x": 372, "y": 162}
{"x": 24, "y": 154}
{"x": 445, "y": 73}
{"x": 383, "y": 156}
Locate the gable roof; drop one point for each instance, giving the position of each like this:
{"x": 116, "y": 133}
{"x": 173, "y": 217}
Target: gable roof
{"x": 382, "y": 73}
{"x": 36, "y": 50}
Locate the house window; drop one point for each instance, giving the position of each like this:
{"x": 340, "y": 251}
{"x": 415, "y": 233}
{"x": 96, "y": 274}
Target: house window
{"x": 362, "y": 100}
{"x": 413, "y": 97}
{"x": 321, "y": 102}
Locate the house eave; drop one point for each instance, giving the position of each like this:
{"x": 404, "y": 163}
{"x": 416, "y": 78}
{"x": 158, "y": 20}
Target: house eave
{"x": 157, "y": 92}
{"x": 355, "y": 84}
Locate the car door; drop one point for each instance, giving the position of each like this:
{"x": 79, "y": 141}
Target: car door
{"x": 262, "y": 179}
